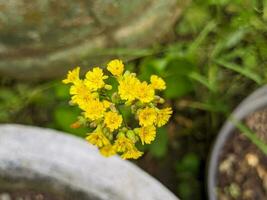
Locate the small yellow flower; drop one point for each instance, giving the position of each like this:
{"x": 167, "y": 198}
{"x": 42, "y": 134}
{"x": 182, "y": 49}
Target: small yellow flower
{"x": 128, "y": 87}
{"x": 100, "y": 108}
{"x": 95, "y": 79}
{"x": 145, "y": 92}
{"x": 147, "y": 116}
{"x": 112, "y": 120}
{"x": 79, "y": 88}
{"x": 94, "y": 110}
{"x": 98, "y": 139}
{"x": 73, "y": 76}
{"x": 108, "y": 150}
{"x": 163, "y": 116}
{"x": 106, "y": 103}
{"x": 147, "y": 134}
{"x": 81, "y": 94}
{"x": 116, "y": 67}
{"x": 132, "y": 153}
{"x": 157, "y": 83}
{"x": 123, "y": 143}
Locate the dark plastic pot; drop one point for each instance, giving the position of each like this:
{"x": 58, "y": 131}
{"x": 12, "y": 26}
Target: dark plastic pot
{"x": 255, "y": 102}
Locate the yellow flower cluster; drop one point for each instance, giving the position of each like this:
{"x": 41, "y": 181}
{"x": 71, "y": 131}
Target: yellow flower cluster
{"x": 101, "y": 111}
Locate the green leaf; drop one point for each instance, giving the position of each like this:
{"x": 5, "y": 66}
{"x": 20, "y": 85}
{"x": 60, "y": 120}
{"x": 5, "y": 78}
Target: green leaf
{"x": 252, "y": 136}
{"x": 185, "y": 190}
{"x": 7, "y": 94}
{"x": 62, "y": 91}
{"x": 177, "y": 86}
{"x": 264, "y": 11}
{"x": 180, "y": 66}
{"x": 203, "y": 80}
{"x": 114, "y": 83}
{"x": 234, "y": 38}
{"x": 160, "y": 145}
{"x": 217, "y": 106}
{"x": 177, "y": 77}
{"x": 193, "y": 20}
{"x": 201, "y": 38}
{"x": 241, "y": 70}
{"x": 64, "y": 116}
{"x": 152, "y": 66}
{"x": 189, "y": 163}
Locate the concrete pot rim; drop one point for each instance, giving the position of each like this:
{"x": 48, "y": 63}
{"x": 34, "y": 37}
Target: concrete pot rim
{"x": 27, "y": 153}
{"x": 257, "y": 100}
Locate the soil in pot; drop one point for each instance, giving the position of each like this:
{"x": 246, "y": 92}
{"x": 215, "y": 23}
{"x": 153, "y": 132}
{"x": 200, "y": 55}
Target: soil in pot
{"x": 242, "y": 169}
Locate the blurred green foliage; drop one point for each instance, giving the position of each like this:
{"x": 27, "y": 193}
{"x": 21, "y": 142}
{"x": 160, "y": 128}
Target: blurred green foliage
{"x": 217, "y": 57}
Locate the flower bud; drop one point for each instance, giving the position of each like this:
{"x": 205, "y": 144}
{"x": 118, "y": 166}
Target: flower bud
{"x": 124, "y": 129}
{"x": 110, "y": 137}
{"x": 131, "y": 135}
{"x": 108, "y": 87}
{"x": 136, "y": 130}
{"x": 134, "y": 108}
{"x": 105, "y": 130}
{"x": 139, "y": 104}
{"x": 71, "y": 103}
{"x": 127, "y": 72}
{"x": 161, "y": 100}
{"x": 128, "y": 103}
{"x": 120, "y": 134}
{"x": 115, "y": 98}
{"x": 75, "y": 125}
{"x": 113, "y": 108}
{"x": 108, "y": 134}
{"x": 95, "y": 95}
{"x": 82, "y": 120}
{"x": 93, "y": 125}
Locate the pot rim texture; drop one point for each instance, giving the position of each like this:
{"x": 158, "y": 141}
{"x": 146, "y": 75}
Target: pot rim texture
{"x": 257, "y": 100}
{"x": 68, "y": 165}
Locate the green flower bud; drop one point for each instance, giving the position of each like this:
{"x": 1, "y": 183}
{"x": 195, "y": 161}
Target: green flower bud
{"x": 124, "y": 129}
{"x": 134, "y": 108}
{"x": 127, "y": 72}
{"x": 108, "y": 134}
{"x": 110, "y": 137}
{"x": 105, "y": 130}
{"x": 161, "y": 100}
{"x": 95, "y": 94}
{"x": 82, "y": 120}
{"x": 93, "y": 125}
{"x": 108, "y": 87}
{"x": 131, "y": 135}
{"x": 139, "y": 104}
{"x": 115, "y": 98}
{"x": 128, "y": 103}
{"x": 136, "y": 130}
{"x": 71, "y": 103}
{"x": 120, "y": 134}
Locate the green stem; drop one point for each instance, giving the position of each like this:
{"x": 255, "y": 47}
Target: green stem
{"x": 249, "y": 134}
{"x": 123, "y": 118}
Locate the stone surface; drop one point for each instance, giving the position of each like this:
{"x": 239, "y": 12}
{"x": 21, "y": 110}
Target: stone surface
{"x": 68, "y": 167}
{"x": 43, "y": 38}
{"x": 5, "y": 196}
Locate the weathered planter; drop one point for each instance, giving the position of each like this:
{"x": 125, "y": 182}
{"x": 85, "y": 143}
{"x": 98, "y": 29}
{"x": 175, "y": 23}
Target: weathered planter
{"x": 66, "y": 167}
{"x": 251, "y": 106}
{"x": 45, "y": 38}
